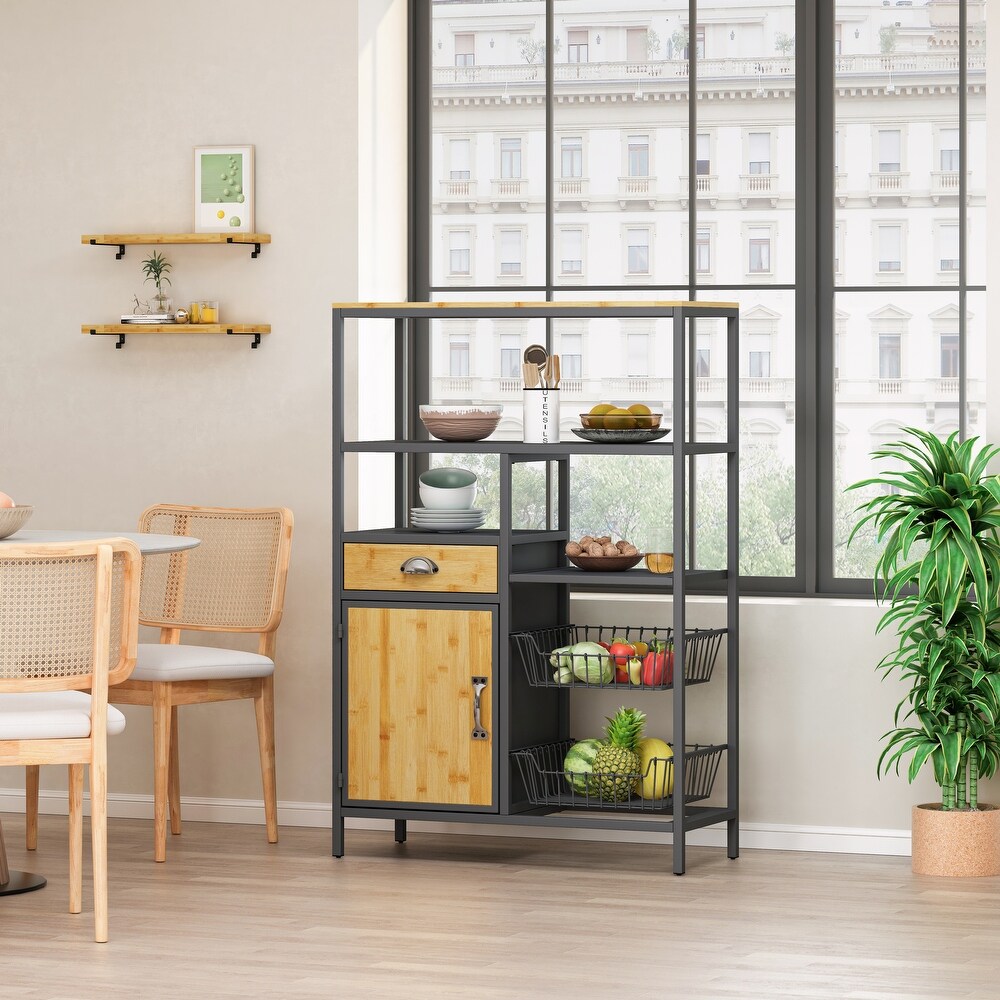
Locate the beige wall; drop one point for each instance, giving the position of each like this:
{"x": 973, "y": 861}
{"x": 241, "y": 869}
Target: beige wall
{"x": 102, "y": 104}
{"x": 91, "y": 435}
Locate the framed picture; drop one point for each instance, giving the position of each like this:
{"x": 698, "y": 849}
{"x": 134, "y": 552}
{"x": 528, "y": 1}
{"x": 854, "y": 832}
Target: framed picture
{"x": 223, "y": 189}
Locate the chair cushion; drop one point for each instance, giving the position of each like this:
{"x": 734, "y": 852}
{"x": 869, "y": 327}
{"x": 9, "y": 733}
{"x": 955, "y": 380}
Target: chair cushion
{"x": 51, "y": 715}
{"x": 161, "y": 661}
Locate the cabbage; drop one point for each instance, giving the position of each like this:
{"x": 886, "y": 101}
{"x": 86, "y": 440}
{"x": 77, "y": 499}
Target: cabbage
{"x": 591, "y": 663}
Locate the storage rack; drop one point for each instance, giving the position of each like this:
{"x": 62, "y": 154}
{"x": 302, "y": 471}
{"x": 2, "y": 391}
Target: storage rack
{"x": 534, "y": 585}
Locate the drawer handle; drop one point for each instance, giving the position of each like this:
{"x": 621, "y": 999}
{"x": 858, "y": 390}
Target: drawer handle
{"x": 419, "y": 566}
{"x": 478, "y": 733}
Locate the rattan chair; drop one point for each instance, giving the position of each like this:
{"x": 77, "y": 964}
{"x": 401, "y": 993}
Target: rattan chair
{"x": 234, "y": 581}
{"x": 68, "y": 623}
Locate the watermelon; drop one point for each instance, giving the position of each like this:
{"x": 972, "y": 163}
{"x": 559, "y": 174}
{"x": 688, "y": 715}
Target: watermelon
{"x": 579, "y": 763}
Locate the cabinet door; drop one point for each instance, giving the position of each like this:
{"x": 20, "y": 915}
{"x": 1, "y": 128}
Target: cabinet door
{"x": 410, "y": 705}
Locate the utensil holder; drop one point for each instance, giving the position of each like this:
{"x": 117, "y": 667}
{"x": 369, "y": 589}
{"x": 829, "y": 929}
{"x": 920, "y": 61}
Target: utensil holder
{"x": 541, "y": 416}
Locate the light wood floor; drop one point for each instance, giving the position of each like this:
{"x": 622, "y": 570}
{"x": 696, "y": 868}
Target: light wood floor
{"x": 483, "y": 918}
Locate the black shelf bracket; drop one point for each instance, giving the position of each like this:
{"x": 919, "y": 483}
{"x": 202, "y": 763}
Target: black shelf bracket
{"x": 253, "y": 253}
{"x": 120, "y": 343}
{"x": 254, "y": 344}
{"x": 118, "y": 255}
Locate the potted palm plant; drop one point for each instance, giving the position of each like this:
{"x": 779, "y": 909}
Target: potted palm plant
{"x": 155, "y": 269}
{"x": 937, "y": 521}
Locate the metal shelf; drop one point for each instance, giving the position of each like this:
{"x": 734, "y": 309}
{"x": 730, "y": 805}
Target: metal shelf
{"x": 629, "y": 578}
{"x": 481, "y": 536}
{"x": 543, "y": 452}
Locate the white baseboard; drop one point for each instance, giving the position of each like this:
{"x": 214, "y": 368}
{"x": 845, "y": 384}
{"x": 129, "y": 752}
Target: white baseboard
{"x": 762, "y": 836}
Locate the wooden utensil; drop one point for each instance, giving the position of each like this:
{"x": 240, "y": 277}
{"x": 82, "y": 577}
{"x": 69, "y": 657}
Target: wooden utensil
{"x": 530, "y": 374}
{"x": 556, "y": 373}
{"x": 549, "y": 370}
{"x": 536, "y": 355}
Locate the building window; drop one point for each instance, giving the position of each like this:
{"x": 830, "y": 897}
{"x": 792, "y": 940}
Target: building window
{"x": 578, "y": 47}
{"x": 638, "y": 251}
{"x": 637, "y": 355}
{"x": 838, "y": 253}
{"x": 458, "y": 356}
{"x": 760, "y": 250}
{"x": 838, "y": 39}
{"x": 465, "y": 50}
{"x": 760, "y": 152}
{"x": 571, "y": 355}
{"x": 703, "y": 156}
{"x": 572, "y": 156}
{"x": 890, "y": 143}
{"x": 510, "y": 355}
{"x": 699, "y": 44}
{"x": 948, "y": 138}
{"x": 510, "y": 252}
{"x": 638, "y": 156}
{"x": 637, "y": 45}
{"x": 949, "y": 355}
{"x": 460, "y": 159}
{"x": 759, "y": 355}
{"x": 889, "y": 356}
{"x": 572, "y": 251}
{"x": 948, "y": 244}
{"x": 890, "y": 249}
{"x": 703, "y": 252}
{"x": 460, "y": 252}
{"x": 510, "y": 158}
{"x": 703, "y": 358}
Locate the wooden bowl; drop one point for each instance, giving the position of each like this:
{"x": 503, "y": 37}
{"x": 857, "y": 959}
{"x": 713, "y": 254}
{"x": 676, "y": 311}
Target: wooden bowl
{"x": 605, "y": 564}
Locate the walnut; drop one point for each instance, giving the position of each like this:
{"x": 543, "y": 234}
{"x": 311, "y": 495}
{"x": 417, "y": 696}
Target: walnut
{"x": 630, "y": 550}
{"x": 611, "y": 550}
{"x": 603, "y": 540}
{"x": 573, "y": 549}
{"x": 586, "y": 540}
{"x": 595, "y": 549}
{"x": 622, "y": 545}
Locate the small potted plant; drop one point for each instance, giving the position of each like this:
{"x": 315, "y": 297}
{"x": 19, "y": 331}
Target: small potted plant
{"x": 937, "y": 521}
{"x": 155, "y": 269}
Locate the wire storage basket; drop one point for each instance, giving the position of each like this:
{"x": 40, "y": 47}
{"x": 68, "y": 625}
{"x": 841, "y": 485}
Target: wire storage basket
{"x": 547, "y": 663}
{"x": 548, "y": 783}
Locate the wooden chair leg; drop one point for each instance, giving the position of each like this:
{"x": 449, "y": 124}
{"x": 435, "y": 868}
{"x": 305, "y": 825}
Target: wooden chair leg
{"x": 161, "y": 768}
{"x": 174, "y": 782}
{"x": 75, "y": 838}
{"x": 264, "y": 709}
{"x": 99, "y": 844}
{"x": 31, "y": 808}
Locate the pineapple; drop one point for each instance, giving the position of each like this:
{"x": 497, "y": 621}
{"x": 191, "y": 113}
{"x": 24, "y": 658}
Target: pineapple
{"x": 617, "y": 763}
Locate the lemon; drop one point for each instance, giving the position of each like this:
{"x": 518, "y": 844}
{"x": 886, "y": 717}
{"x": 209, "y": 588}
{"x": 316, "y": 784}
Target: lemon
{"x": 640, "y": 409}
{"x": 619, "y": 420}
{"x": 600, "y": 409}
{"x": 655, "y": 783}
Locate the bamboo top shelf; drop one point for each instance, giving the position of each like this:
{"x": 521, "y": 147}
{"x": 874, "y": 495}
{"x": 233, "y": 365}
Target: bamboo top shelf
{"x": 115, "y": 328}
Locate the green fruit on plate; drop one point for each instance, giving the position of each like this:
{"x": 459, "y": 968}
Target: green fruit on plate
{"x": 657, "y": 780}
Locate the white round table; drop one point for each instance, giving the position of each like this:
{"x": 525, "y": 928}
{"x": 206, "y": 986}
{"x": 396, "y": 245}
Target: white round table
{"x": 149, "y": 545}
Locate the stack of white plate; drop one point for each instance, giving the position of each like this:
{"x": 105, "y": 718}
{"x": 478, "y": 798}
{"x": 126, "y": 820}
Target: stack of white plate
{"x": 446, "y": 520}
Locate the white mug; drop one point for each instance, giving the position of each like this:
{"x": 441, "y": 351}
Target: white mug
{"x": 541, "y": 416}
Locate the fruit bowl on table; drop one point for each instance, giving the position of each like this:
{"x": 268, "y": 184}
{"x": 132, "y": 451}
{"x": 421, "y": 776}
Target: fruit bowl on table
{"x": 621, "y": 422}
{"x": 14, "y": 518}
{"x": 605, "y": 564}
{"x": 465, "y": 422}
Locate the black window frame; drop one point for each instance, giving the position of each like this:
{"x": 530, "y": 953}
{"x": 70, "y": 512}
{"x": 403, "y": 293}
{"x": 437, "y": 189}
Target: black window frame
{"x": 815, "y": 284}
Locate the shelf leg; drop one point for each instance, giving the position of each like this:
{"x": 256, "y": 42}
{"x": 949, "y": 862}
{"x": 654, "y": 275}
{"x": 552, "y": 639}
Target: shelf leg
{"x": 400, "y": 831}
{"x": 338, "y": 835}
{"x": 121, "y": 342}
{"x": 732, "y": 839}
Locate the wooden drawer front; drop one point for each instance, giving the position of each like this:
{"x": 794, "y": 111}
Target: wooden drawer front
{"x": 462, "y": 569}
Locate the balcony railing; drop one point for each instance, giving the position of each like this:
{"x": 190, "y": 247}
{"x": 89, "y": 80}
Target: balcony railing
{"x": 889, "y": 184}
{"x": 506, "y": 190}
{"x": 636, "y": 189}
{"x": 508, "y": 385}
{"x": 767, "y": 387}
{"x": 706, "y": 186}
{"x": 572, "y": 189}
{"x": 759, "y": 186}
{"x": 636, "y": 386}
{"x": 944, "y": 184}
{"x": 889, "y": 386}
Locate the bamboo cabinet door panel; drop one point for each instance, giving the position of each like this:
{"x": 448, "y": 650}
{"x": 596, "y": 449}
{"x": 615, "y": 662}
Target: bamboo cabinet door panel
{"x": 410, "y": 705}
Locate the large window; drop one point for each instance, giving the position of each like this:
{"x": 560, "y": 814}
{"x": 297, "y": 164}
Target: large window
{"x": 778, "y": 155}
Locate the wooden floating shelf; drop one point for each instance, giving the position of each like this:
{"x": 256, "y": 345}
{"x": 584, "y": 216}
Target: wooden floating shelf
{"x": 154, "y": 239}
{"x": 122, "y": 330}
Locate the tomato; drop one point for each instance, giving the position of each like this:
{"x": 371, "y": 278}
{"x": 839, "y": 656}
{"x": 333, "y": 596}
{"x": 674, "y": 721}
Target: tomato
{"x": 658, "y": 666}
{"x": 621, "y": 652}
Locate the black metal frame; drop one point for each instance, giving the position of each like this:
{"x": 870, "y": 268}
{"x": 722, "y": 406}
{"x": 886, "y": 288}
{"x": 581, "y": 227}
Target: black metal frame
{"x": 814, "y": 285}
{"x": 410, "y": 322}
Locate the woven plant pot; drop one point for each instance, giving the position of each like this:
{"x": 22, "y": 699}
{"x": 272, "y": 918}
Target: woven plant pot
{"x": 955, "y": 843}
